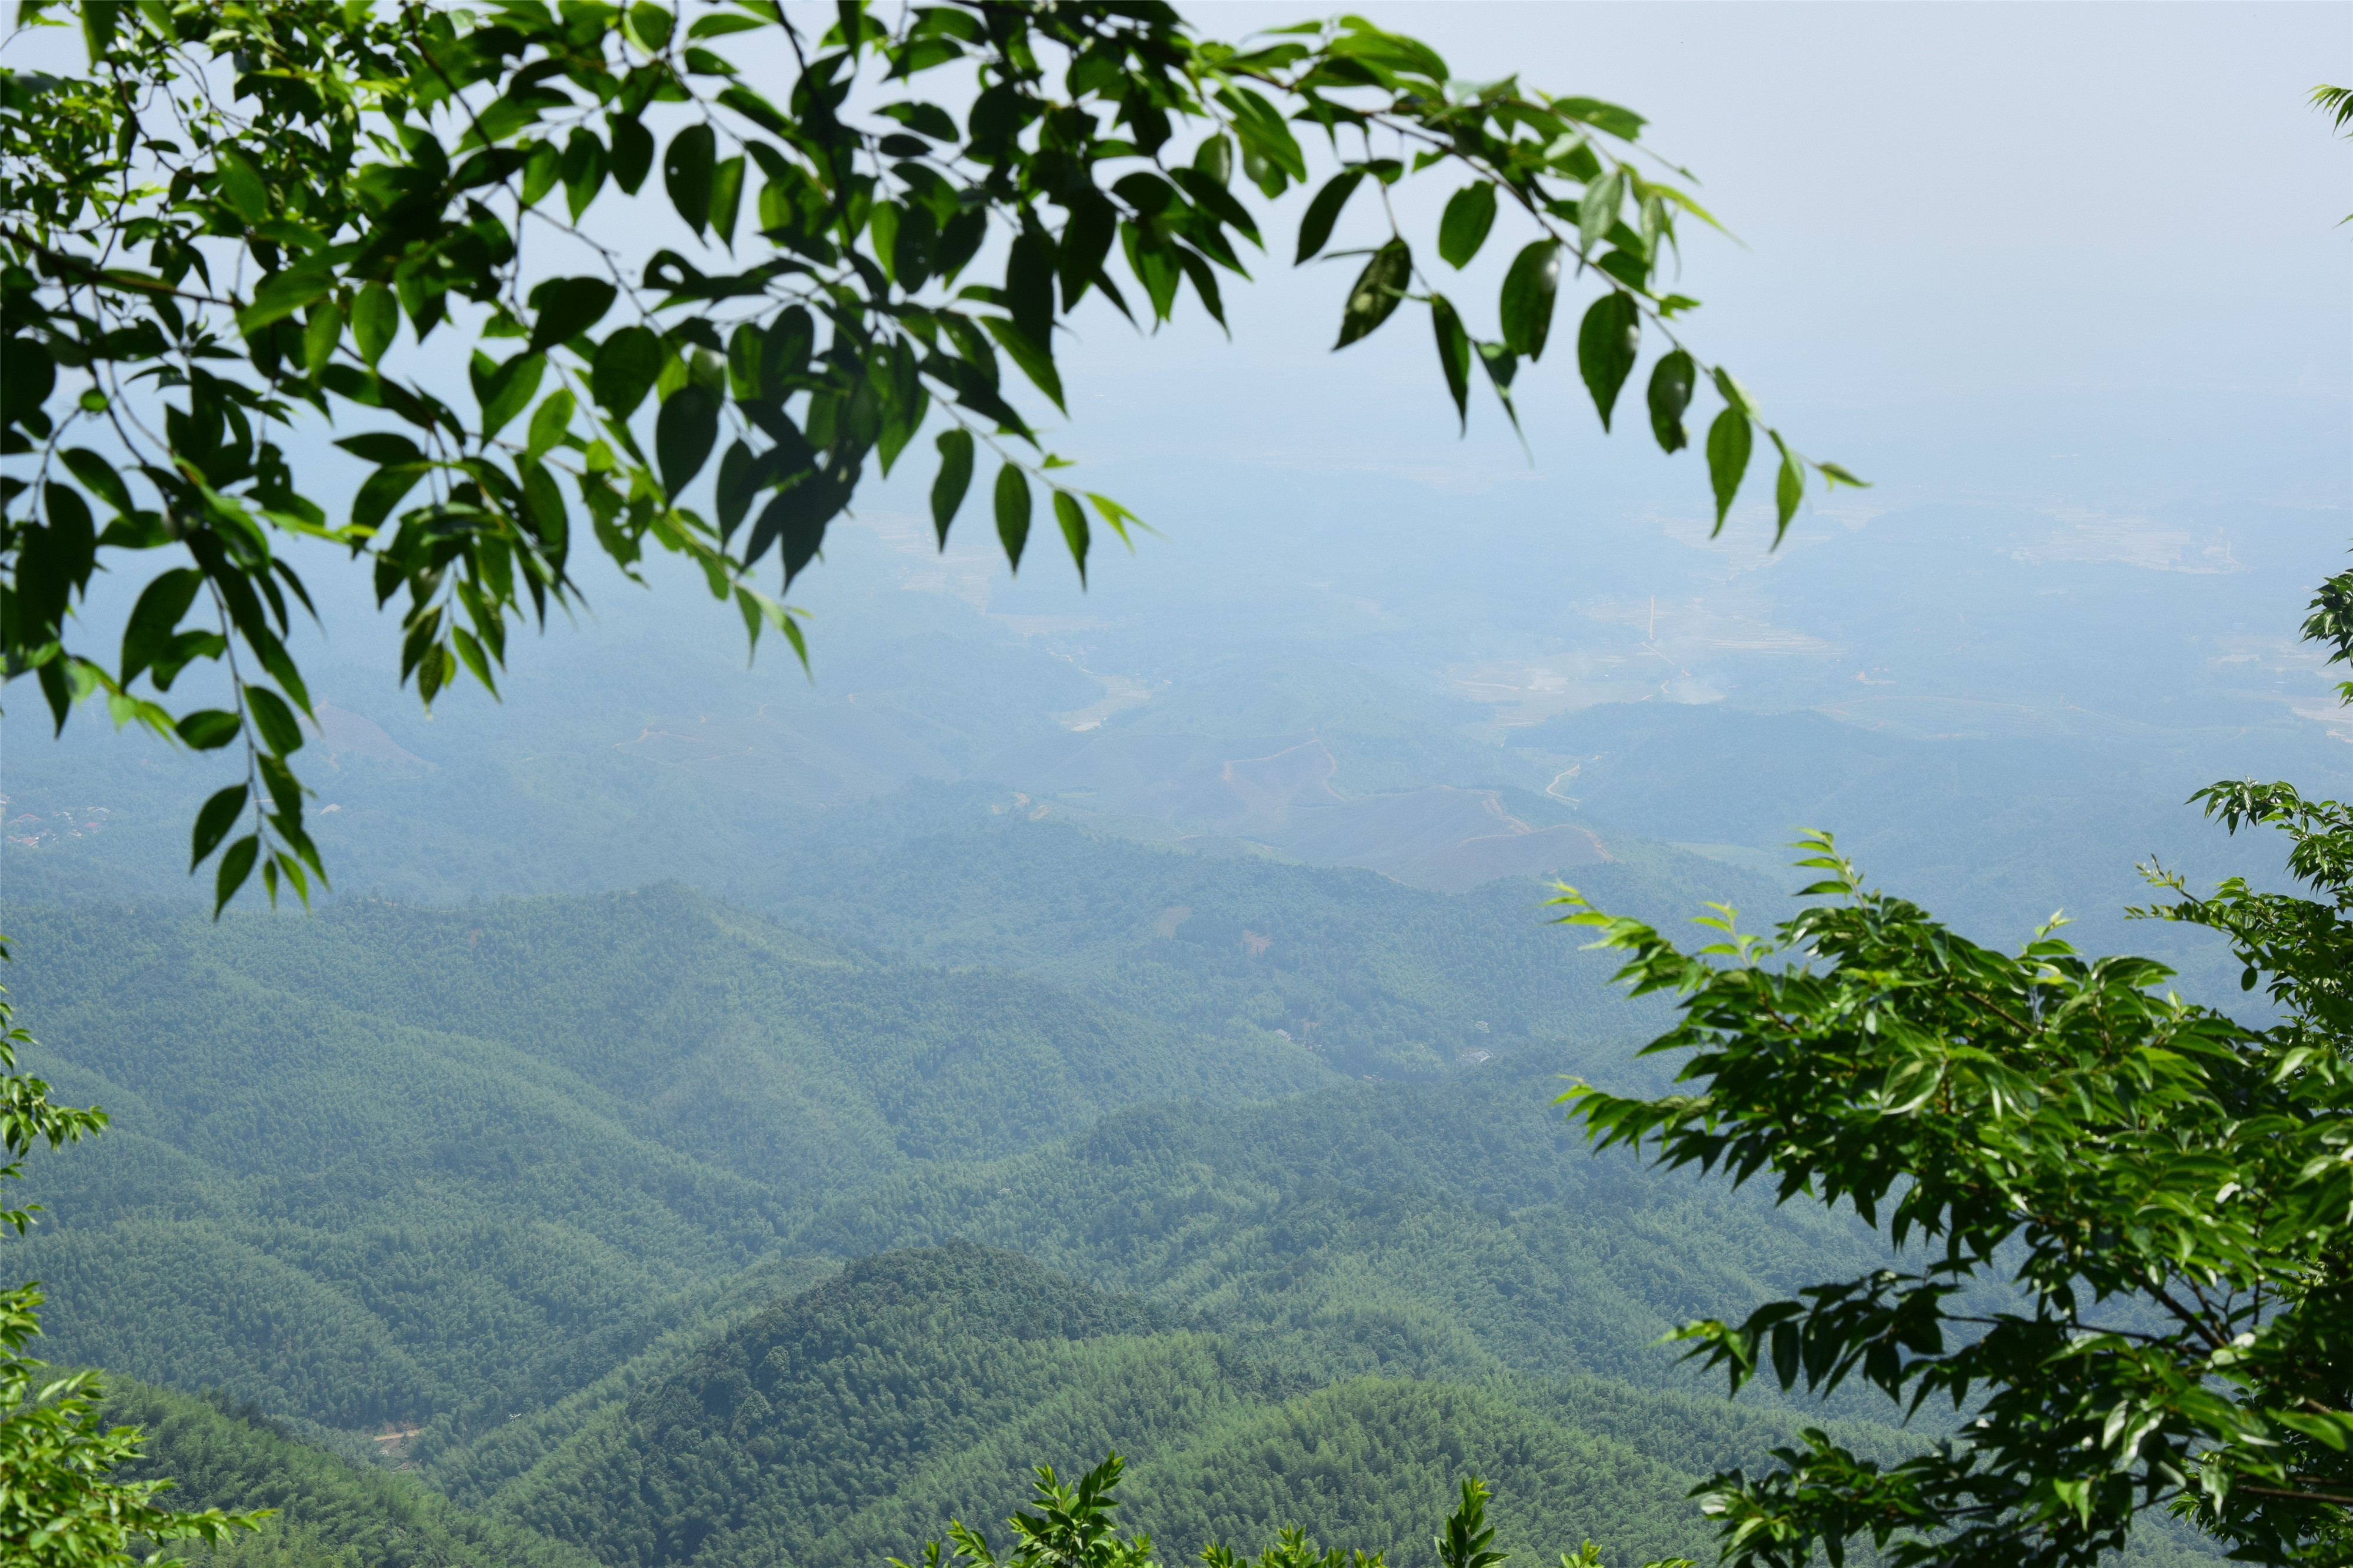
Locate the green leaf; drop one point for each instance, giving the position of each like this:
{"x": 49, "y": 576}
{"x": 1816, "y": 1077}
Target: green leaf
{"x": 382, "y": 448}
{"x": 1085, "y": 242}
{"x": 1502, "y": 364}
{"x": 505, "y": 390}
{"x": 797, "y": 520}
{"x": 726, "y": 196}
{"x": 712, "y": 26}
{"x": 633, "y": 154}
{"x": 470, "y": 650}
{"x": 1453, "y": 355}
{"x": 1215, "y": 158}
{"x": 1012, "y": 512}
{"x": 273, "y": 720}
{"x": 147, "y": 636}
{"x": 1261, "y": 129}
{"x": 1599, "y": 208}
{"x": 1469, "y": 212}
{"x": 745, "y": 383}
{"x": 759, "y": 111}
{"x": 549, "y": 425}
{"x": 1789, "y": 489}
{"x": 98, "y": 477}
{"x": 1218, "y": 202}
{"x": 375, "y": 318}
{"x": 735, "y": 488}
{"x": 1623, "y": 123}
{"x": 1029, "y": 287}
{"x": 1027, "y": 353}
{"x": 1116, "y": 518}
{"x": 1528, "y": 291}
{"x": 1324, "y": 212}
{"x": 955, "y": 478}
{"x": 1670, "y": 393}
{"x": 1377, "y": 290}
{"x": 651, "y": 23}
{"x": 1607, "y": 343}
{"x": 583, "y": 171}
{"x": 98, "y": 25}
{"x": 684, "y": 433}
{"x": 282, "y": 294}
{"x": 687, "y": 174}
{"x": 539, "y": 171}
{"x": 784, "y": 350}
{"x": 320, "y": 333}
{"x": 208, "y": 729}
{"x": 381, "y": 491}
{"x": 1734, "y": 394}
{"x": 925, "y": 120}
{"x": 568, "y": 307}
{"x": 237, "y": 864}
{"x": 219, "y": 814}
{"x": 625, "y": 369}
{"x": 32, "y": 374}
{"x": 242, "y": 184}
{"x": 1728, "y": 441}
{"x": 1073, "y": 523}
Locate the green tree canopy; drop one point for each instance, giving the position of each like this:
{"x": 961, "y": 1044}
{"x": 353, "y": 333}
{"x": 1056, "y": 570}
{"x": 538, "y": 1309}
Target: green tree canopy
{"x": 2163, "y": 1192}
{"x": 56, "y": 1504}
{"x": 218, "y": 230}
{"x": 2132, "y": 1215}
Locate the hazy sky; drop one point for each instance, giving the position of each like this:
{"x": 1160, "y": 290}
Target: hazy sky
{"x": 2064, "y": 281}
{"x": 2059, "y": 257}
{"x": 2004, "y": 213}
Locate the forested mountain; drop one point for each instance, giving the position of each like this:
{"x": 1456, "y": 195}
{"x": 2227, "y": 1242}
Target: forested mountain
{"x": 421, "y": 1161}
{"x": 524, "y": 1185}
{"x": 331, "y": 1514}
{"x": 846, "y": 1423}
{"x": 1454, "y": 1229}
{"x": 456, "y": 1164}
{"x": 851, "y": 1420}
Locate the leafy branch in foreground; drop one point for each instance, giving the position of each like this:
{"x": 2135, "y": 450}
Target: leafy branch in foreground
{"x": 220, "y": 229}
{"x": 2337, "y": 102}
{"x": 57, "y": 1507}
{"x": 2167, "y": 1191}
{"x": 1073, "y": 1528}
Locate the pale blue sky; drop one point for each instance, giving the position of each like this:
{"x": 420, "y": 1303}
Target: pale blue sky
{"x": 2074, "y": 258}
{"x": 2064, "y": 281}
{"x": 1941, "y": 205}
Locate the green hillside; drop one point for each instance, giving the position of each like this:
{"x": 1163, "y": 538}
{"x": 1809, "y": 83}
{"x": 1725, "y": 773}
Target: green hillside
{"x": 448, "y": 1167}
{"x": 853, "y": 1420}
{"x": 394, "y": 1165}
{"x": 330, "y": 1513}
{"x": 1380, "y": 978}
{"x": 1455, "y": 1230}
{"x": 561, "y": 1191}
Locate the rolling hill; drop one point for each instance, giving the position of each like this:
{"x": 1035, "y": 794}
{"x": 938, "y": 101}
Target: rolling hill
{"x": 393, "y": 1163}
{"x": 850, "y": 1422}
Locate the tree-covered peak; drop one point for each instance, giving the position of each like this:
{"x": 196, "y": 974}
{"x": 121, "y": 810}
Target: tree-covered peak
{"x": 914, "y": 1299}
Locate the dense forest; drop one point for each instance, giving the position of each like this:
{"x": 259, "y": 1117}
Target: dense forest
{"x": 845, "y": 1422}
{"x": 920, "y": 1385}
{"x": 547, "y": 1203}
{"x": 397, "y": 1111}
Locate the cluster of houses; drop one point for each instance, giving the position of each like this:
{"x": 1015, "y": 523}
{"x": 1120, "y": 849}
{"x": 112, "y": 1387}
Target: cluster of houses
{"x": 33, "y": 829}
